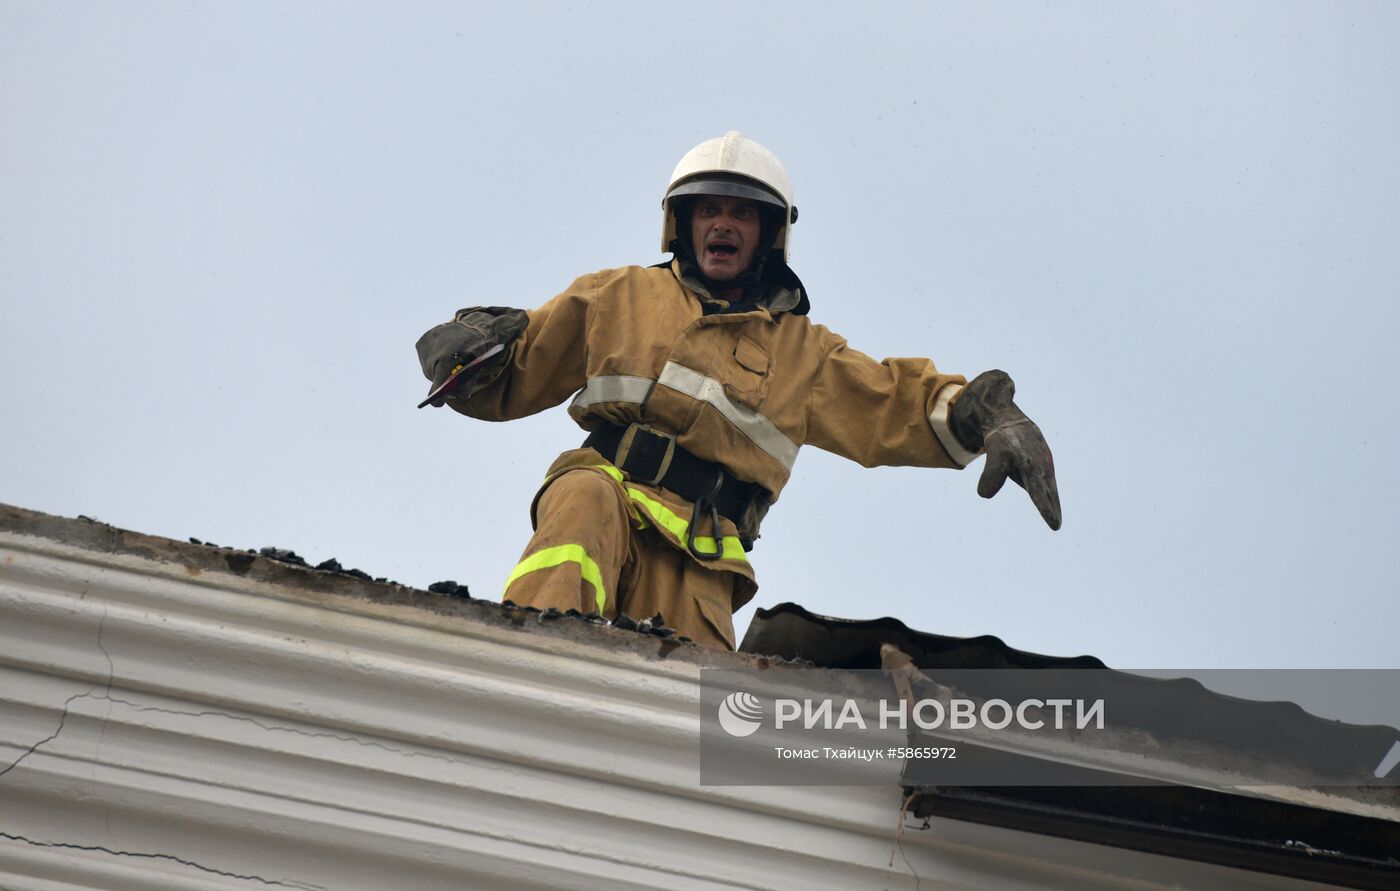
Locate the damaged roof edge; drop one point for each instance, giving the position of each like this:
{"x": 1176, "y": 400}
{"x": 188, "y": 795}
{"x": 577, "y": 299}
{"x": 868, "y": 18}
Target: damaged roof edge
{"x": 1343, "y": 835}
{"x": 197, "y": 559}
{"x": 1180, "y": 712}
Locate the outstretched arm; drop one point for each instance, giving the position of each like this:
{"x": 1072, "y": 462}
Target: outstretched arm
{"x": 880, "y": 413}
{"x": 907, "y": 412}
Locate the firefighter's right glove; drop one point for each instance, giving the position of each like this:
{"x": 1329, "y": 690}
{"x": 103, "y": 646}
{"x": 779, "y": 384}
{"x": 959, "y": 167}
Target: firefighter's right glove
{"x": 985, "y": 417}
{"x": 472, "y": 332}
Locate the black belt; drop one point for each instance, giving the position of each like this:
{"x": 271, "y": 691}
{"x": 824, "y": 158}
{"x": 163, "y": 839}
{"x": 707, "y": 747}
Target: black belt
{"x": 654, "y": 459}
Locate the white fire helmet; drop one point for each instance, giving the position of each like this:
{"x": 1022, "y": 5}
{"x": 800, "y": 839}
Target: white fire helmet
{"x": 732, "y": 165}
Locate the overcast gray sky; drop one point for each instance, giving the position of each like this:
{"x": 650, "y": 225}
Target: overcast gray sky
{"x": 223, "y": 226}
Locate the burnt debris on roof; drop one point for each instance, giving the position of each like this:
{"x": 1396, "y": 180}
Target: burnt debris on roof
{"x": 285, "y": 566}
{"x": 292, "y": 558}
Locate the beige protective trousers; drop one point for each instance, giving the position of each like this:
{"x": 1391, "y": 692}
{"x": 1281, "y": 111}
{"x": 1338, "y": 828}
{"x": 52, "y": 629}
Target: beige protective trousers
{"x": 593, "y": 552}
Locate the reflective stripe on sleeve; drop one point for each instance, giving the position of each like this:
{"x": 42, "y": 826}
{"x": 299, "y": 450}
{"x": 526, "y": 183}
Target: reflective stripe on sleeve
{"x": 612, "y": 388}
{"x": 557, "y": 555}
{"x": 938, "y": 420}
{"x": 667, "y": 519}
{"x": 764, "y": 433}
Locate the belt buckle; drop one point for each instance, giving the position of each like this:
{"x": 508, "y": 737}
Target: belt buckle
{"x": 624, "y": 448}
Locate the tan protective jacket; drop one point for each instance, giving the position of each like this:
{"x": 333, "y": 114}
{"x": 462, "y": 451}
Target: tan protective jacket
{"x": 743, "y": 389}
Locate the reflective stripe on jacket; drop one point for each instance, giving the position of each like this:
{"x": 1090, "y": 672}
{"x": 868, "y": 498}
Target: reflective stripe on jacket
{"x": 745, "y": 389}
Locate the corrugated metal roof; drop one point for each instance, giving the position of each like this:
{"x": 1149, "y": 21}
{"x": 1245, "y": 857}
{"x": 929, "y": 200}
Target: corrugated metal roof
{"x": 1324, "y": 846}
{"x": 173, "y": 715}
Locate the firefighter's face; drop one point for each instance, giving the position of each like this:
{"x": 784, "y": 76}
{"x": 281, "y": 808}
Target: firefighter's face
{"x": 724, "y": 234}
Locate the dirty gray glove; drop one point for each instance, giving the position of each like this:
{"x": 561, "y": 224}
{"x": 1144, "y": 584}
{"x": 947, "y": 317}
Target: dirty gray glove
{"x": 472, "y": 332}
{"x": 985, "y": 416}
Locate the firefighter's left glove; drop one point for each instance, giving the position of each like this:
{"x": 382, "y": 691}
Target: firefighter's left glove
{"x": 985, "y": 417}
{"x": 471, "y": 332}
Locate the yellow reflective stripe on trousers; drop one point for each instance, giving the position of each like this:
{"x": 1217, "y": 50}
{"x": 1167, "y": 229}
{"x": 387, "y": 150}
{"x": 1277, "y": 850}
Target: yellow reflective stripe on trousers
{"x": 659, "y": 513}
{"x": 666, "y": 518}
{"x": 610, "y": 471}
{"x": 559, "y": 554}
{"x": 606, "y": 468}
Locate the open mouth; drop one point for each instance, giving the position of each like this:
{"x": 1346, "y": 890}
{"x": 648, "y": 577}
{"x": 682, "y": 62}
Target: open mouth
{"x": 722, "y": 249}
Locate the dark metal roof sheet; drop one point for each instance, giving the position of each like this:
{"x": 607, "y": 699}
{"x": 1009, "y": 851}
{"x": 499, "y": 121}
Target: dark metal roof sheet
{"x": 1235, "y": 828}
{"x": 1177, "y": 708}
{"x": 790, "y": 631}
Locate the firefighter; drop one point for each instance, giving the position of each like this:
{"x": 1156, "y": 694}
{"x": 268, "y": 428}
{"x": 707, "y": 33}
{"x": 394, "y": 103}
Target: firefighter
{"x": 697, "y": 381}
